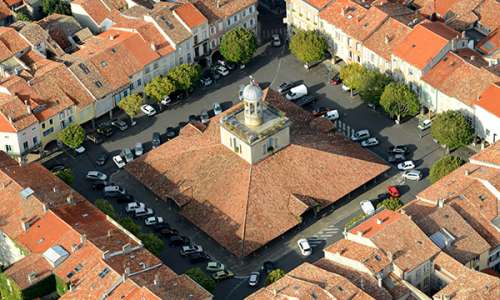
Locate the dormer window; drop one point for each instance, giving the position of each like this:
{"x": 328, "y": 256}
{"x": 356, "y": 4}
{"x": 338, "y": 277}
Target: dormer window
{"x": 98, "y": 84}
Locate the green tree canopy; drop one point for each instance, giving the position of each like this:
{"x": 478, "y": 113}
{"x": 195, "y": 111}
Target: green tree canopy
{"x": 444, "y": 166}
{"x": 72, "y": 136}
{"x": 185, "y": 76}
{"x": 66, "y": 175}
{"x": 152, "y": 243}
{"x": 391, "y": 204}
{"x": 159, "y": 87}
{"x": 131, "y": 105}
{"x": 452, "y": 129}
{"x": 308, "y": 46}
{"x": 274, "y": 276}
{"x": 202, "y": 279}
{"x": 372, "y": 85}
{"x": 398, "y": 100}
{"x": 129, "y": 224}
{"x": 20, "y": 16}
{"x": 238, "y": 45}
{"x": 56, "y": 7}
{"x": 352, "y": 75}
{"x": 106, "y": 208}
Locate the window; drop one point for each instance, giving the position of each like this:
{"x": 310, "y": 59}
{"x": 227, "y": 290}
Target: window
{"x": 139, "y": 82}
{"x": 251, "y": 22}
{"x": 25, "y": 145}
{"x": 212, "y": 44}
{"x": 43, "y": 125}
{"x": 228, "y": 22}
{"x": 48, "y": 131}
{"x": 337, "y": 35}
{"x": 35, "y": 140}
{"x": 63, "y": 124}
{"x": 70, "y": 119}
{"x": 212, "y": 30}
{"x": 181, "y": 60}
{"x": 250, "y": 9}
{"x": 235, "y": 18}
{"x": 244, "y": 13}
{"x": 146, "y": 69}
{"x": 51, "y": 121}
{"x": 8, "y": 148}
{"x": 155, "y": 66}
{"x": 372, "y": 57}
{"x": 61, "y": 115}
{"x": 189, "y": 58}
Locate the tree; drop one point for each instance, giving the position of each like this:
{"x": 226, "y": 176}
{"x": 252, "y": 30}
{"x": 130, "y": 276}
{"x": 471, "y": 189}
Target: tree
{"x": 352, "y": 75}
{"x": 372, "y": 85}
{"x": 106, "y": 208}
{"x": 152, "y": 243}
{"x": 238, "y": 45}
{"x": 56, "y": 7}
{"x": 274, "y": 276}
{"x": 184, "y": 76}
{"x": 201, "y": 278}
{"x": 444, "y": 166}
{"x": 354, "y": 220}
{"x": 308, "y": 46}
{"x": 398, "y": 100}
{"x": 159, "y": 88}
{"x": 72, "y": 136}
{"x": 129, "y": 224}
{"x": 452, "y": 129}
{"x": 391, "y": 204}
{"x": 66, "y": 175}
{"x": 20, "y": 16}
{"x": 131, "y": 105}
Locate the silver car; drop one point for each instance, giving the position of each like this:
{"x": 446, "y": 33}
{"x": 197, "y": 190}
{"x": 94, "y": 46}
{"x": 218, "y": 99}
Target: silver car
{"x": 138, "y": 149}
{"x": 413, "y": 175}
{"x": 360, "y": 135}
{"x": 127, "y": 154}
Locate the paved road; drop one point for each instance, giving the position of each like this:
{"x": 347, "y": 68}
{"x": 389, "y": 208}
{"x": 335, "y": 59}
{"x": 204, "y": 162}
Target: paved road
{"x": 271, "y": 67}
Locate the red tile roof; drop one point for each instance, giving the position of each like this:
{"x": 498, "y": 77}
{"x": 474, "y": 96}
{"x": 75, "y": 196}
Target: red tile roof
{"x": 12, "y": 40}
{"x": 488, "y": 12}
{"x": 489, "y": 99}
{"x": 195, "y": 169}
{"x": 215, "y": 10}
{"x": 386, "y": 37}
{"x": 318, "y": 4}
{"x": 190, "y": 15}
{"x": 14, "y": 114}
{"x": 490, "y": 43}
{"x": 370, "y": 227}
{"x": 424, "y": 43}
{"x": 96, "y": 9}
{"x": 5, "y": 11}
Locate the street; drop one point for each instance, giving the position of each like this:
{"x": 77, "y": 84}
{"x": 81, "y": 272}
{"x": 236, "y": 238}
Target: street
{"x": 270, "y": 67}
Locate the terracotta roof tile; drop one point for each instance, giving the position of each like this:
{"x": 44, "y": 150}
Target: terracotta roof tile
{"x": 60, "y": 28}
{"x": 489, "y": 100}
{"x": 457, "y": 77}
{"x": 13, "y": 40}
{"x": 227, "y": 8}
{"x": 490, "y": 44}
{"x": 33, "y": 265}
{"x": 96, "y": 9}
{"x": 488, "y": 12}
{"x": 194, "y": 169}
{"x": 14, "y": 114}
{"x": 5, "y": 11}
{"x": 424, "y": 43}
{"x": 383, "y": 40}
{"x": 190, "y": 15}
{"x": 490, "y": 155}
{"x": 318, "y": 4}
{"x": 308, "y": 281}
{"x": 163, "y": 15}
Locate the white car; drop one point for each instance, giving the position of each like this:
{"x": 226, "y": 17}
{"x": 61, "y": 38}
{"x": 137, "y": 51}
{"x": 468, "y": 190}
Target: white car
{"x": 133, "y": 206}
{"x": 360, "y": 135}
{"x": 186, "y": 250}
{"x": 276, "y": 40}
{"x": 119, "y": 162}
{"x": 96, "y": 175}
{"x": 345, "y": 88}
{"x": 153, "y": 221}
{"x": 138, "y": 149}
{"x": 332, "y": 115}
{"x": 204, "y": 117}
{"x": 166, "y": 100}
{"x": 367, "y": 207}
{"x": 144, "y": 212}
{"x": 217, "y": 108}
{"x": 253, "y": 279}
{"x": 304, "y": 247}
{"x": 222, "y": 70}
{"x": 148, "y": 110}
{"x": 369, "y": 142}
{"x": 406, "y": 165}
{"x": 412, "y": 175}
{"x": 80, "y": 150}
{"x": 424, "y": 124}
{"x": 297, "y": 92}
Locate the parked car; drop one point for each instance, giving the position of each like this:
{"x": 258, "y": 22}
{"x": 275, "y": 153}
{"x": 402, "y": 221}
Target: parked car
{"x": 98, "y": 185}
{"x": 119, "y": 124}
{"x": 267, "y": 267}
{"x": 123, "y": 198}
{"x": 393, "y": 191}
{"x": 144, "y": 212}
{"x": 57, "y": 168}
{"x": 101, "y": 159}
{"x": 413, "y": 175}
{"x": 171, "y": 133}
{"x": 169, "y": 232}
{"x": 148, "y": 110}
{"x": 127, "y": 154}
{"x": 345, "y": 88}
{"x": 161, "y": 226}
{"x": 95, "y": 138}
{"x": 399, "y": 149}
{"x": 335, "y": 80}
{"x": 286, "y": 86}
{"x": 396, "y": 158}
{"x": 297, "y": 92}
{"x": 138, "y": 149}
{"x": 119, "y": 162}
{"x": 332, "y": 115}
{"x": 319, "y": 111}
{"x": 406, "y": 165}
{"x": 153, "y": 221}
{"x": 193, "y": 118}
{"x": 80, "y": 150}
{"x": 166, "y": 101}
{"x": 221, "y": 275}
{"x": 105, "y": 130}
{"x": 156, "y": 142}
{"x": 304, "y": 247}
{"x": 133, "y": 206}
{"x": 369, "y": 142}
{"x": 253, "y": 279}
{"x": 198, "y": 257}
{"x": 222, "y": 70}
{"x": 360, "y": 135}
{"x": 206, "y": 81}
{"x": 425, "y": 124}
{"x": 215, "y": 266}
{"x": 178, "y": 240}
{"x": 276, "y": 40}
{"x": 367, "y": 207}
{"x": 96, "y": 176}
{"x": 303, "y": 101}
{"x": 185, "y": 250}
{"x": 113, "y": 190}
{"x": 217, "y": 108}
{"x": 226, "y": 64}
{"x": 204, "y": 117}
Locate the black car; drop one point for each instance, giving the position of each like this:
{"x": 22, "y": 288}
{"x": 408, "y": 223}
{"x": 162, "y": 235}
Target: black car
{"x": 193, "y": 118}
{"x": 178, "y": 96}
{"x": 156, "y": 142}
{"x": 399, "y": 149}
{"x": 181, "y": 125}
{"x": 305, "y": 100}
{"x": 178, "y": 240}
{"x": 168, "y": 232}
{"x": 105, "y": 130}
{"x": 396, "y": 158}
{"x": 198, "y": 257}
{"x": 101, "y": 159}
{"x": 98, "y": 185}
{"x": 161, "y": 226}
{"x": 120, "y": 198}
{"x": 95, "y": 138}
{"x": 267, "y": 267}
{"x": 171, "y": 133}
{"x": 57, "y": 168}
{"x": 286, "y": 86}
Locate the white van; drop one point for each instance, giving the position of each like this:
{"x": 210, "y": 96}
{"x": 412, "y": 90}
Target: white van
{"x": 367, "y": 207}
{"x": 297, "y": 92}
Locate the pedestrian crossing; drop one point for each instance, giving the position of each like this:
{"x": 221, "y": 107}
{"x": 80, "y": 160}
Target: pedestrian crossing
{"x": 321, "y": 237}
{"x": 266, "y": 34}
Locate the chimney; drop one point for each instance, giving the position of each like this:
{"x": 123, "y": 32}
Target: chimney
{"x": 10, "y": 119}
{"x": 31, "y": 277}
{"x": 25, "y": 225}
{"x": 219, "y": 3}
{"x": 387, "y": 39}
{"x": 343, "y": 11}
{"x": 54, "y": 189}
{"x": 390, "y": 256}
{"x": 379, "y": 281}
{"x": 153, "y": 46}
{"x": 379, "y": 221}
{"x": 453, "y": 45}
{"x": 155, "y": 281}
{"x": 467, "y": 172}
{"x": 440, "y": 202}
{"x": 44, "y": 207}
{"x": 28, "y": 107}
{"x": 472, "y": 57}
{"x": 127, "y": 271}
{"x": 109, "y": 232}
{"x": 83, "y": 239}
{"x": 69, "y": 199}
{"x": 359, "y": 233}
{"x": 74, "y": 247}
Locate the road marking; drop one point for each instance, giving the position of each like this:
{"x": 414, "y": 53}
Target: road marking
{"x": 241, "y": 277}
{"x": 236, "y": 287}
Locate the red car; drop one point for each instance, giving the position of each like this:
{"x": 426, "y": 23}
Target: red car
{"x": 393, "y": 191}
{"x": 336, "y": 80}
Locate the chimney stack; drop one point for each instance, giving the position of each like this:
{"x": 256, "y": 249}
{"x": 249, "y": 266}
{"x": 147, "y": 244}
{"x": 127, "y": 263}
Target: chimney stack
{"x": 28, "y": 107}
{"x": 467, "y": 173}
{"x": 83, "y": 239}
{"x": 10, "y": 119}
{"x": 440, "y": 202}
{"x": 387, "y": 39}
{"x": 69, "y": 199}
{"x": 472, "y": 57}
{"x": 219, "y": 3}
{"x": 379, "y": 221}
{"x": 155, "y": 281}
{"x": 153, "y": 46}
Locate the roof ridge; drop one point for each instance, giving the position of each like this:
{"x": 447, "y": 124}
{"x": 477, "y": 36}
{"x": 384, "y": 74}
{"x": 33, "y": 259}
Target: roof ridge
{"x": 246, "y": 209}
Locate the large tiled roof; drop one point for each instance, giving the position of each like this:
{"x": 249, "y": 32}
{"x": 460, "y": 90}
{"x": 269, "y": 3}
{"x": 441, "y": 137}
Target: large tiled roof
{"x": 489, "y": 100}
{"x": 163, "y": 15}
{"x": 310, "y": 282}
{"x": 60, "y": 28}
{"x": 424, "y": 43}
{"x": 383, "y": 40}
{"x": 318, "y": 4}
{"x": 457, "y": 77}
{"x": 13, "y": 41}
{"x": 468, "y": 244}
{"x": 5, "y": 11}
{"x": 190, "y": 15}
{"x": 263, "y": 200}
{"x": 488, "y": 12}
{"x": 14, "y": 114}
{"x": 215, "y": 12}
{"x": 96, "y": 9}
